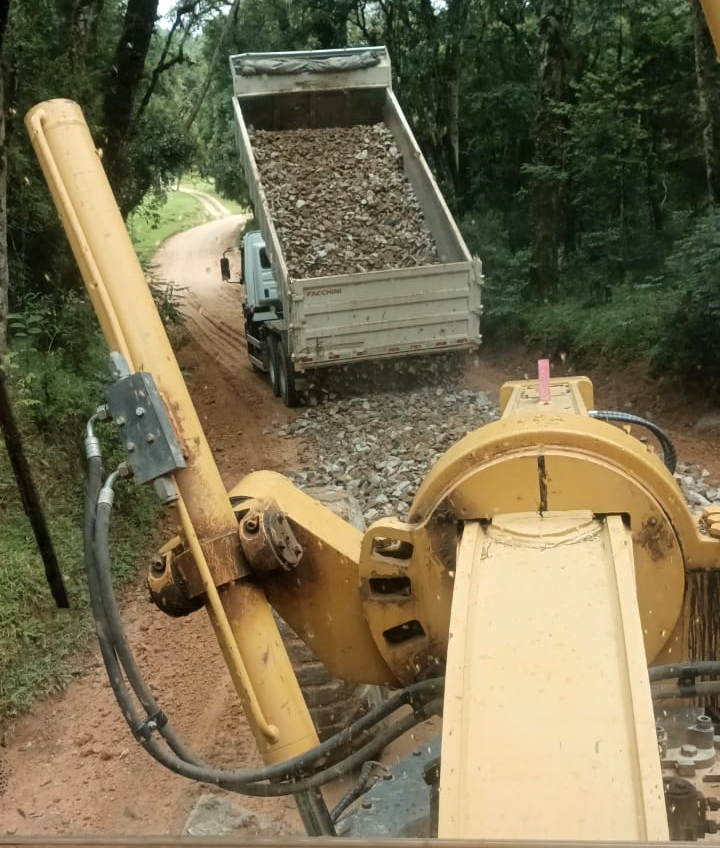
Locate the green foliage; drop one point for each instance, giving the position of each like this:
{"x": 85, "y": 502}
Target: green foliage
{"x": 53, "y": 396}
{"x": 505, "y": 275}
{"x": 636, "y": 239}
{"x": 160, "y": 216}
{"x": 688, "y": 344}
{"x": 624, "y": 328}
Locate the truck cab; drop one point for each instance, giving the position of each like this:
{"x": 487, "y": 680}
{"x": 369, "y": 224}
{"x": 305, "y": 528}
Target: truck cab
{"x": 261, "y": 290}
{"x": 265, "y": 329}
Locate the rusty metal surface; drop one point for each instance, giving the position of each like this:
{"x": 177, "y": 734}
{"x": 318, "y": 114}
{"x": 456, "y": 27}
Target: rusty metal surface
{"x": 267, "y": 540}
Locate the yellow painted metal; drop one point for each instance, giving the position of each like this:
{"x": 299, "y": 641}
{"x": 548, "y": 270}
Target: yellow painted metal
{"x": 243, "y": 620}
{"x": 536, "y": 459}
{"x": 569, "y": 394}
{"x": 320, "y": 599}
{"x": 406, "y": 580}
{"x": 548, "y": 726}
{"x": 711, "y": 10}
{"x": 552, "y": 462}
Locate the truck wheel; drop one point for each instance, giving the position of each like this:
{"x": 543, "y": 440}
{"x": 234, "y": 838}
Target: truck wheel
{"x": 274, "y": 354}
{"x": 286, "y": 378}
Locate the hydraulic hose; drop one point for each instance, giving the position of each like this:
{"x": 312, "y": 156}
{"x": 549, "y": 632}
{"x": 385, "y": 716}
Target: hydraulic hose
{"x": 685, "y": 674}
{"x": 668, "y": 448}
{"x": 112, "y": 666}
{"x": 364, "y": 782}
{"x": 676, "y": 670}
{"x": 291, "y": 776}
{"x": 116, "y": 630}
{"x": 701, "y": 688}
{"x": 237, "y": 782}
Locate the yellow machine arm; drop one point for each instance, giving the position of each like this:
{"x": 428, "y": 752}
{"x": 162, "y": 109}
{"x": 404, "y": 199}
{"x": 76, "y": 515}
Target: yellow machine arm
{"x": 711, "y": 10}
{"x": 542, "y": 567}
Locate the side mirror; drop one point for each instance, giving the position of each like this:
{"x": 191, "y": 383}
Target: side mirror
{"x": 225, "y": 269}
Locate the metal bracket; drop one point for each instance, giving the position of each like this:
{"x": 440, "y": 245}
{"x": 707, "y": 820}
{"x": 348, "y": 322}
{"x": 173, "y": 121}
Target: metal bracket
{"x": 144, "y": 427}
{"x": 267, "y": 539}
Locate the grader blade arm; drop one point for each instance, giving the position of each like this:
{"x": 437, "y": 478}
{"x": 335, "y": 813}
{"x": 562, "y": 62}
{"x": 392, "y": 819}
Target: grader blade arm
{"x": 548, "y": 721}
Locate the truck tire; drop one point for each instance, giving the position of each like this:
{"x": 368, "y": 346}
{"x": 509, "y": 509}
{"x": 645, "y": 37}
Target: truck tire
{"x": 286, "y": 378}
{"x": 273, "y": 358}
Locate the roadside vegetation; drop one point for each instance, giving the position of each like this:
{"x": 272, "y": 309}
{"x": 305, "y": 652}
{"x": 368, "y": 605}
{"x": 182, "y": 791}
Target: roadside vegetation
{"x": 57, "y": 366}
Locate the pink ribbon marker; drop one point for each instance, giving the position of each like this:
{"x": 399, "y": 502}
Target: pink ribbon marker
{"x": 544, "y": 380}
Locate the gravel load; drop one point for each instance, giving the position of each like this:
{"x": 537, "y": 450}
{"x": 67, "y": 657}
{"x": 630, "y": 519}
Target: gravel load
{"x": 340, "y": 201}
{"x": 693, "y": 480}
{"x": 379, "y": 447}
{"x": 400, "y": 375}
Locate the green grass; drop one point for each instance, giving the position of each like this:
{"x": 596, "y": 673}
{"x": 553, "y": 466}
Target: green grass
{"x": 151, "y": 223}
{"x": 41, "y": 647}
{"x": 37, "y": 641}
{"x": 155, "y": 221}
{"x": 195, "y": 182}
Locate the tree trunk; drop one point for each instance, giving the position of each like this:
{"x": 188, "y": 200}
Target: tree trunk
{"x": 124, "y": 82}
{"x": 229, "y": 22}
{"x": 4, "y": 270}
{"x": 457, "y": 16}
{"x": 83, "y": 31}
{"x": 547, "y": 194}
{"x": 709, "y": 101}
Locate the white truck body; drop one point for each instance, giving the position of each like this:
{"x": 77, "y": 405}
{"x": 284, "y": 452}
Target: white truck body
{"x": 359, "y": 316}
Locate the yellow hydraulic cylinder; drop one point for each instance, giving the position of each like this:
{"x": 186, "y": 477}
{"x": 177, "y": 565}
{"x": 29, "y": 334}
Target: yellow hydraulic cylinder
{"x": 711, "y": 9}
{"x": 239, "y": 611}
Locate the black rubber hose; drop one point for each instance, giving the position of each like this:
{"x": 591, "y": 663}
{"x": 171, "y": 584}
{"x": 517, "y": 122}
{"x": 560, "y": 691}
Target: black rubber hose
{"x": 292, "y": 774}
{"x": 110, "y": 660}
{"x": 113, "y": 621}
{"x": 668, "y": 448}
{"x": 672, "y": 672}
{"x": 280, "y": 771}
{"x": 701, "y": 688}
{"x": 237, "y": 782}
{"x": 364, "y": 782}
{"x": 288, "y": 770}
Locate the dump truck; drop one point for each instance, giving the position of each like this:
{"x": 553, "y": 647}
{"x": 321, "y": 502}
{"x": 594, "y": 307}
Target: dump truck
{"x": 357, "y": 256}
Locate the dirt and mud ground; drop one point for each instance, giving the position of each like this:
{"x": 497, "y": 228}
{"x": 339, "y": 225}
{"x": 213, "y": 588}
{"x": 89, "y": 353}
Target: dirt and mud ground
{"x": 72, "y": 765}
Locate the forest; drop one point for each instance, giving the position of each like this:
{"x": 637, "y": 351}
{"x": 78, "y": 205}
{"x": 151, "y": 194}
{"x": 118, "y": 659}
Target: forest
{"x": 577, "y": 143}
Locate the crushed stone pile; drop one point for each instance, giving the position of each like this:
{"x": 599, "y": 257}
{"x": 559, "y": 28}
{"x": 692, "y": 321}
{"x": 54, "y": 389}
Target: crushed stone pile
{"x": 340, "y": 201}
{"x": 381, "y": 446}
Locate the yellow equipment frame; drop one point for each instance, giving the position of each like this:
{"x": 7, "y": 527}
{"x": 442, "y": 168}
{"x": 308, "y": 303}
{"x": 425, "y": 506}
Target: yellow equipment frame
{"x": 385, "y": 607}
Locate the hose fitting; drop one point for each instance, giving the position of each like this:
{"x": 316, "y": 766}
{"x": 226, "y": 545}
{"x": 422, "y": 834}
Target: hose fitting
{"x": 107, "y": 493}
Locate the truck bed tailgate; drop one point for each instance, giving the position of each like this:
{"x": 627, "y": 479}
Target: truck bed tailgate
{"x": 385, "y": 313}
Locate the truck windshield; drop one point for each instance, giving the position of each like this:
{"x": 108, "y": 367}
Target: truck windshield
{"x": 264, "y": 261}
